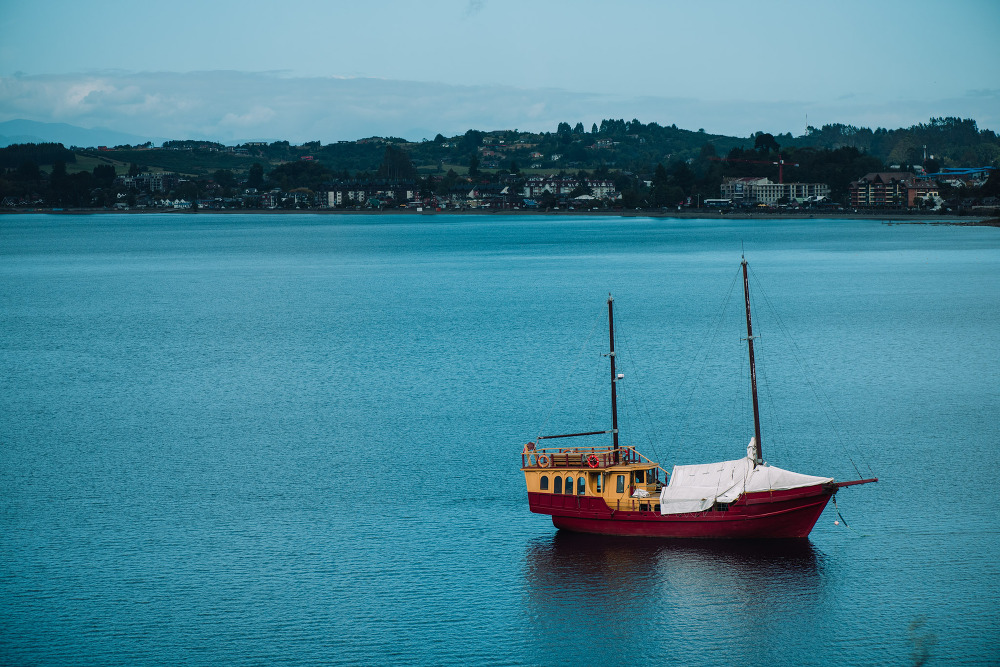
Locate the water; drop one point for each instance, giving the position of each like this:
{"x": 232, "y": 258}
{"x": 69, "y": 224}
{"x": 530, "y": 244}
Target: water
{"x": 294, "y": 439}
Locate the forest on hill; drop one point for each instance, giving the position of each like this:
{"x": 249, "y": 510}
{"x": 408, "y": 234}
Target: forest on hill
{"x": 678, "y": 163}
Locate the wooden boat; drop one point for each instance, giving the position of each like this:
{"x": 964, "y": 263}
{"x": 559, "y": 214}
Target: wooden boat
{"x": 615, "y": 490}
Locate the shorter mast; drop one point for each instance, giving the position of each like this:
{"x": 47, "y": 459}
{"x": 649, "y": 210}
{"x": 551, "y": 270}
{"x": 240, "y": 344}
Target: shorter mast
{"x": 759, "y": 458}
{"x": 614, "y": 393}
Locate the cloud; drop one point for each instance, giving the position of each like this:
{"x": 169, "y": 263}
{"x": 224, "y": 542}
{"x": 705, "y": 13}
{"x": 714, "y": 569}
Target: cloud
{"x": 110, "y": 95}
{"x": 989, "y": 93}
{"x": 474, "y": 7}
{"x": 78, "y": 94}
{"x": 256, "y": 117}
{"x": 232, "y": 106}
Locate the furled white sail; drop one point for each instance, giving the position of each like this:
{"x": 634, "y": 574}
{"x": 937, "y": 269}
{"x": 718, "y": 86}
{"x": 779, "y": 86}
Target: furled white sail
{"x": 695, "y": 488}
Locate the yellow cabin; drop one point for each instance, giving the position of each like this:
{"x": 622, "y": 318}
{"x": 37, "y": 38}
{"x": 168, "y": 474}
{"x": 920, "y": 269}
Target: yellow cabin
{"x": 623, "y": 478}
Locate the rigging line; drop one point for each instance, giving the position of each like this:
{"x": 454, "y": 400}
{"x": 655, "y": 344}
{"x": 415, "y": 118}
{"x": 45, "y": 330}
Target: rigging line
{"x": 699, "y": 367}
{"x": 628, "y": 398}
{"x": 773, "y": 421}
{"x": 636, "y": 401}
{"x": 822, "y": 398}
{"x": 734, "y": 403}
{"x": 565, "y": 384}
{"x": 774, "y": 424}
{"x": 596, "y": 408}
{"x": 626, "y": 419}
{"x": 595, "y": 391}
{"x": 642, "y": 409}
{"x": 837, "y": 507}
{"x": 824, "y": 401}
{"x": 637, "y": 397}
{"x": 739, "y": 414}
{"x": 717, "y": 327}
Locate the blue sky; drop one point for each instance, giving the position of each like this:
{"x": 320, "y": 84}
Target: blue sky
{"x": 340, "y": 70}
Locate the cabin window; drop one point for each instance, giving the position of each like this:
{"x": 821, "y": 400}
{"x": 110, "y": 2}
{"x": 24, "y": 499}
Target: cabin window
{"x": 600, "y": 479}
{"x": 569, "y": 485}
{"x": 543, "y": 483}
{"x": 557, "y": 485}
{"x": 621, "y": 483}
{"x": 581, "y": 486}
{"x": 640, "y": 476}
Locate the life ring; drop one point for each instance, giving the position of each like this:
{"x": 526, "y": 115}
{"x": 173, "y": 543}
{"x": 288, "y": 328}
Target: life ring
{"x": 593, "y": 461}
{"x": 544, "y": 461}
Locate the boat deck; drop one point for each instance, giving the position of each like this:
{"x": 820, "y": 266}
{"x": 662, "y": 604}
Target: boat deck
{"x": 594, "y": 458}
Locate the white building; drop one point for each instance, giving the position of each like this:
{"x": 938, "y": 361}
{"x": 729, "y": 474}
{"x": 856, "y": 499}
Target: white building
{"x": 537, "y": 185}
{"x": 752, "y": 190}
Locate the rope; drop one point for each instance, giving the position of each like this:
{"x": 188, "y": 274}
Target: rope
{"x": 836, "y": 507}
{"x": 636, "y": 399}
{"x": 826, "y": 405}
{"x": 684, "y": 414}
{"x": 565, "y": 384}
{"x": 777, "y": 433}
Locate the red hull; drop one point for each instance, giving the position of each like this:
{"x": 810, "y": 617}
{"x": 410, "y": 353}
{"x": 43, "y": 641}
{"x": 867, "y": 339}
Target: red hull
{"x": 776, "y": 514}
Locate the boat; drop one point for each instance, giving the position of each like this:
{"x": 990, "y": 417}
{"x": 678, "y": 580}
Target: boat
{"x": 616, "y": 490}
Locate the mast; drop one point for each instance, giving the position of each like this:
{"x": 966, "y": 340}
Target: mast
{"x": 753, "y": 370}
{"x": 614, "y": 378}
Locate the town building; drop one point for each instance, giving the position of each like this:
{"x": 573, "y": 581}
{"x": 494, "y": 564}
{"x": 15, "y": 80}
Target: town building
{"x": 752, "y": 190}
{"x": 149, "y": 182}
{"x": 885, "y": 189}
{"x": 537, "y": 185}
{"x": 359, "y": 193}
{"x": 924, "y": 188}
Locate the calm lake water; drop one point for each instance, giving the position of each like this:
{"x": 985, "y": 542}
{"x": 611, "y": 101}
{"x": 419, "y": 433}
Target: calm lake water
{"x": 287, "y": 439}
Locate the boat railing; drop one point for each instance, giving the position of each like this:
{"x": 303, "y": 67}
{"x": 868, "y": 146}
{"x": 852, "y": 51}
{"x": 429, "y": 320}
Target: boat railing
{"x": 650, "y": 504}
{"x": 577, "y": 457}
{"x": 639, "y": 457}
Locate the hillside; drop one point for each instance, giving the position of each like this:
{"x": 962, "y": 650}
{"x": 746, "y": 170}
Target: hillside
{"x": 22, "y": 131}
{"x": 650, "y": 164}
{"x": 614, "y": 144}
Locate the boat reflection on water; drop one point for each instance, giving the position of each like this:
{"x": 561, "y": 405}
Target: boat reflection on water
{"x": 675, "y": 597}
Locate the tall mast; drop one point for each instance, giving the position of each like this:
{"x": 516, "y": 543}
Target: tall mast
{"x": 753, "y": 370}
{"x": 614, "y": 377}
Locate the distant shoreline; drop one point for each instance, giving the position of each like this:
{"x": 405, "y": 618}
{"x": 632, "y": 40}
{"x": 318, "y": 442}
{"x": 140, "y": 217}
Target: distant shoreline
{"x": 888, "y": 219}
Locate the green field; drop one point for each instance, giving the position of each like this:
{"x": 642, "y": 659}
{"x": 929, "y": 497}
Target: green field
{"x": 188, "y": 163}
{"x": 87, "y": 162}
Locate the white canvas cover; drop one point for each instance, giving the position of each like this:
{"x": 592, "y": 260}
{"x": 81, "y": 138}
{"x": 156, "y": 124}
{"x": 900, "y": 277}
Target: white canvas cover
{"x": 695, "y": 488}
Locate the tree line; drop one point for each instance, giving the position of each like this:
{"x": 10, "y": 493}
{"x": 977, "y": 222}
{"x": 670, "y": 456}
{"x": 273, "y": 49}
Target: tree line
{"x": 651, "y": 164}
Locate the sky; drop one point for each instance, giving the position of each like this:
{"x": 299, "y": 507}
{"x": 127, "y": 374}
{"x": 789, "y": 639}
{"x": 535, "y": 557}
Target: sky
{"x": 328, "y": 71}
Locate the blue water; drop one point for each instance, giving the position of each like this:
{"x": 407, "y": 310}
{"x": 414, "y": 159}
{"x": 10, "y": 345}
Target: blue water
{"x": 260, "y": 440}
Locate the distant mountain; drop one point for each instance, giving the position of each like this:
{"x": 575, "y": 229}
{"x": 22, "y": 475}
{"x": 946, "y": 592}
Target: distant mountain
{"x": 28, "y": 131}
